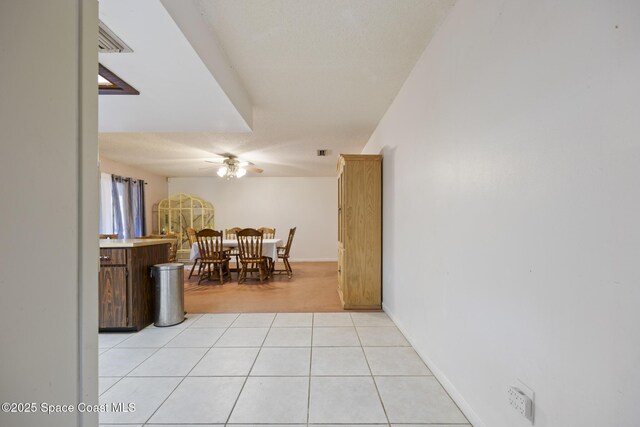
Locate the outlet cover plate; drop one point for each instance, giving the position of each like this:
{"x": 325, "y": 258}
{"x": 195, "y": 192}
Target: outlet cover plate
{"x": 528, "y": 392}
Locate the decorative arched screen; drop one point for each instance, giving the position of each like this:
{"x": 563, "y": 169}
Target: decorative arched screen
{"x": 177, "y": 213}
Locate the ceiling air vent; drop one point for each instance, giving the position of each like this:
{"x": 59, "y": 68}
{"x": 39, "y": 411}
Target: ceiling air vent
{"x": 322, "y": 153}
{"x": 108, "y": 42}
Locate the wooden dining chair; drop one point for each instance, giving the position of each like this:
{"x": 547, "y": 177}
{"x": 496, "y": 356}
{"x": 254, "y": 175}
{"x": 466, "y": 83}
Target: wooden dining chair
{"x": 230, "y": 234}
{"x": 250, "y": 248}
{"x": 268, "y": 233}
{"x": 283, "y": 254}
{"x": 108, "y": 236}
{"x": 213, "y": 257}
{"x": 173, "y": 247}
{"x": 191, "y": 235}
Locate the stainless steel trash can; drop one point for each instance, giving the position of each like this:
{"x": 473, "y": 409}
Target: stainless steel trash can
{"x": 169, "y": 305}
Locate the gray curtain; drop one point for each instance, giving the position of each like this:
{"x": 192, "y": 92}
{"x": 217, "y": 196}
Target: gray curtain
{"x": 137, "y": 202}
{"x": 128, "y": 207}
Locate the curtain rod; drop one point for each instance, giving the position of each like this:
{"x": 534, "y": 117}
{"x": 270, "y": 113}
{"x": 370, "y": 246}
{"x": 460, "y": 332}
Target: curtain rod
{"x": 134, "y": 179}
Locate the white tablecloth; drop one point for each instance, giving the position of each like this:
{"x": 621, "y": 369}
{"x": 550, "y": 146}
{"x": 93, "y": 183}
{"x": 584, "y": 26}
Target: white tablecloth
{"x": 269, "y": 248}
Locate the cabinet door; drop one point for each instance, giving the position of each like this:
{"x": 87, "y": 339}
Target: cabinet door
{"x": 340, "y": 266}
{"x": 113, "y": 297}
{"x": 113, "y": 256}
{"x": 341, "y": 275}
{"x": 340, "y": 200}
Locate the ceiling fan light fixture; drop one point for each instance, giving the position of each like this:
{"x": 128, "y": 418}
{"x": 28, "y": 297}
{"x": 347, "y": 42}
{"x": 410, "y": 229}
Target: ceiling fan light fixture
{"x": 231, "y": 170}
{"x": 232, "y": 167}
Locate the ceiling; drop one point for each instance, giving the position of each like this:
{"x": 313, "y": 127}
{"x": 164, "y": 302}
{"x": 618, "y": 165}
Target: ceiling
{"x": 177, "y": 90}
{"x": 319, "y": 75}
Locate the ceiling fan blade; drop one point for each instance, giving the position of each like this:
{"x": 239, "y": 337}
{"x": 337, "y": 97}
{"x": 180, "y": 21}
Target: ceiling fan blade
{"x": 231, "y": 159}
{"x": 254, "y": 169}
{"x": 208, "y": 168}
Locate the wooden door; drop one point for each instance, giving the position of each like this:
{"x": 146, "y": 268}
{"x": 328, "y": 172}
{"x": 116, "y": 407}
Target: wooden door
{"x": 113, "y": 297}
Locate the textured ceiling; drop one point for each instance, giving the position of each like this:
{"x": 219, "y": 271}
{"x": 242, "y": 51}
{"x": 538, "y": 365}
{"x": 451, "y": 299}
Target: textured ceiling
{"x": 320, "y": 74}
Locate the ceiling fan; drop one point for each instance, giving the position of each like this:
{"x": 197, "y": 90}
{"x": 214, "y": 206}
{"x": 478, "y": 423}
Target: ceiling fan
{"x": 233, "y": 167}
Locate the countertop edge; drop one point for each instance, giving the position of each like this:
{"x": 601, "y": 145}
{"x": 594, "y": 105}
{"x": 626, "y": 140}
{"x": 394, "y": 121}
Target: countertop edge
{"x": 131, "y": 243}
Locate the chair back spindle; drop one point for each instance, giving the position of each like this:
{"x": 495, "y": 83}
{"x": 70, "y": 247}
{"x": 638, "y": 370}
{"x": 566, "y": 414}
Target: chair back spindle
{"x": 268, "y": 233}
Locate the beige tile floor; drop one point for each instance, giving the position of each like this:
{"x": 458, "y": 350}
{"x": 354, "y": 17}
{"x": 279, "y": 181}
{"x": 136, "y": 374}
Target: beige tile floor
{"x": 294, "y": 369}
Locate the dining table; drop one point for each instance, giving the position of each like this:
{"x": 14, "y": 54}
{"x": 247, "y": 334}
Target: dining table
{"x": 269, "y": 248}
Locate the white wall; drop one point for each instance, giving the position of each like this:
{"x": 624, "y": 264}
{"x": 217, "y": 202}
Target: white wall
{"x": 157, "y": 187}
{"x": 49, "y": 208}
{"x": 306, "y": 203}
{"x": 512, "y": 209}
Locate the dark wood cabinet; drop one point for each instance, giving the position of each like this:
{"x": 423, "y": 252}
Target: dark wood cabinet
{"x": 113, "y": 256}
{"x": 114, "y": 312}
{"x": 126, "y": 289}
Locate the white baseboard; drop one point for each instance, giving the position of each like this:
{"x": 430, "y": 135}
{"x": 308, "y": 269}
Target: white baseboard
{"x": 457, "y": 397}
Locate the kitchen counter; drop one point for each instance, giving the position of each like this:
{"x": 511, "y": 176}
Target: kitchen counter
{"x": 126, "y": 290}
{"x": 131, "y": 243}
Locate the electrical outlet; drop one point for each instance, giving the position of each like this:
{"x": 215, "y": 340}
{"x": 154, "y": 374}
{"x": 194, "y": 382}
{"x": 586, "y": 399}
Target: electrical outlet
{"x": 522, "y": 402}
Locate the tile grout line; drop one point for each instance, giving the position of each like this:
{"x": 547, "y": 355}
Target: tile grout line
{"x": 135, "y": 367}
{"x": 157, "y": 349}
{"x": 431, "y": 374}
{"x": 123, "y": 376}
{"x": 108, "y": 388}
{"x": 183, "y": 378}
{"x": 313, "y": 316}
{"x": 270, "y": 328}
{"x": 250, "y": 369}
{"x": 370, "y": 371}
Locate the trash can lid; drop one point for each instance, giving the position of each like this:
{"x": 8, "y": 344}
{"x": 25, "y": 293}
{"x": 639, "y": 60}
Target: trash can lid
{"x": 169, "y": 266}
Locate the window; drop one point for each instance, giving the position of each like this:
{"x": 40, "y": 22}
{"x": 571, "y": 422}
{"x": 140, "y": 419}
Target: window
{"x": 122, "y": 206}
